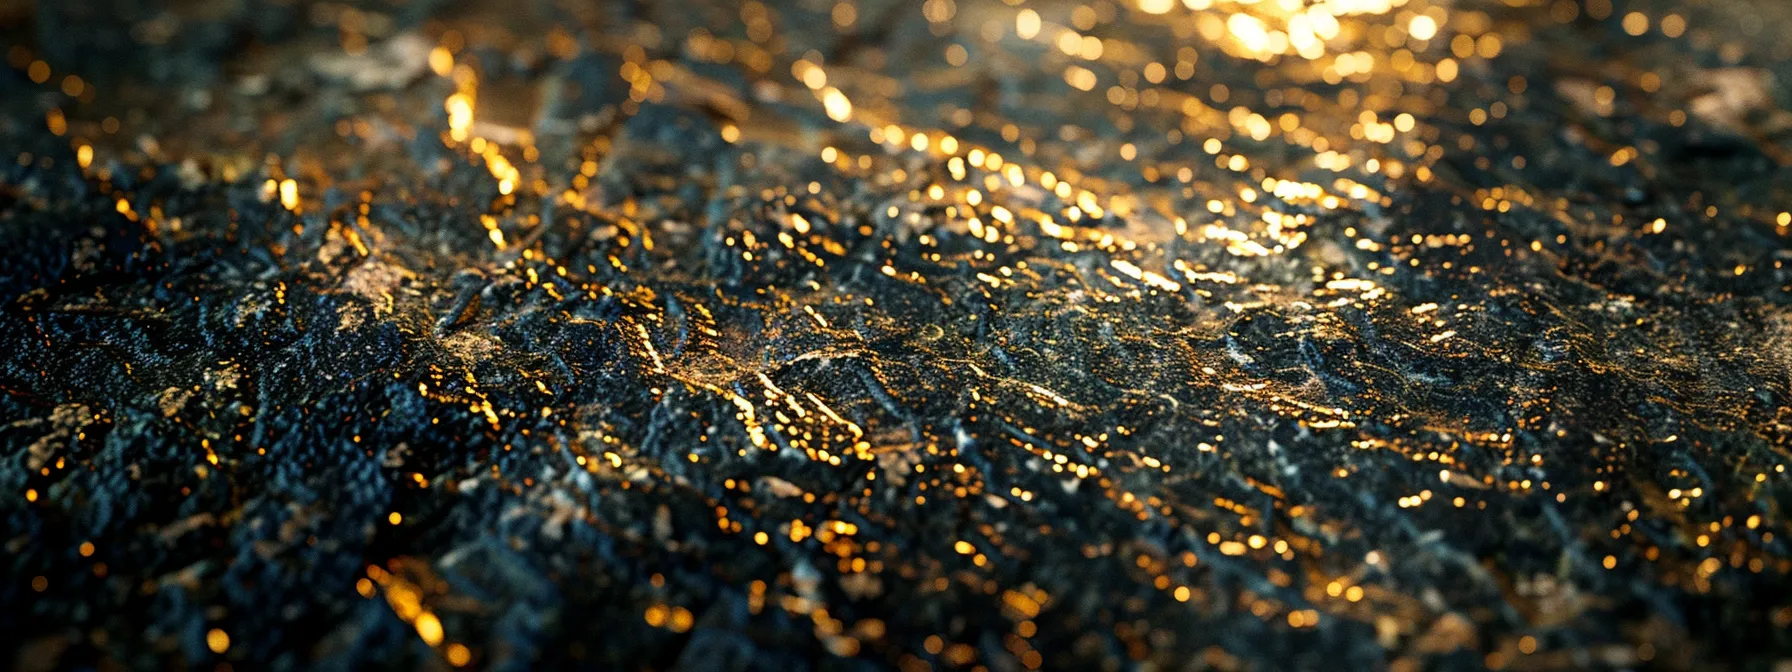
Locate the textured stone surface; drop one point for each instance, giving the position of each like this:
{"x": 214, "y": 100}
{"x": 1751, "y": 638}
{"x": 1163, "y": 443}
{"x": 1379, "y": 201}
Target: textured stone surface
{"x": 889, "y": 334}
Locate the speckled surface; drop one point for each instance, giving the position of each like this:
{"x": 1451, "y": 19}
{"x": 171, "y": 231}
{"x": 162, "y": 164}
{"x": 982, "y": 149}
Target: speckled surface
{"x": 862, "y": 335}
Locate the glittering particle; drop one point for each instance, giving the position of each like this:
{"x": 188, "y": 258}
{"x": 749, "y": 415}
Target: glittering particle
{"x": 458, "y": 655}
{"x": 1027, "y": 24}
{"x": 460, "y": 116}
{"x": 1156, "y": 6}
{"x": 1422, "y": 27}
{"x": 838, "y": 107}
{"x": 289, "y": 194}
{"x": 441, "y": 61}
{"x": 429, "y": 628}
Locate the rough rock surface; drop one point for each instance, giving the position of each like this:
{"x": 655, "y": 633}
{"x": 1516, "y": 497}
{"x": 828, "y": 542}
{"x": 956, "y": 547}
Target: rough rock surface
{"x": 880, "y": 334}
